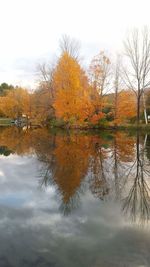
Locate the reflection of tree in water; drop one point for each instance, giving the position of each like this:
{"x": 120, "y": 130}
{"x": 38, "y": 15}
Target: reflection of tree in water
{"x": 127, "y": 165}
{"x": 147, "y": 148}
{"x": 5, "y": 151}
{"x": 122, "y": 153}
{"x": 64, "y": 159}
{"x": 15, "y": 139}
{"x": 109, "y": 165}
{"x": 68, "y": 168}
{"x": 137, "y": 202}
{"x": 72, "y": 157}
{"x": 98, "y": 181}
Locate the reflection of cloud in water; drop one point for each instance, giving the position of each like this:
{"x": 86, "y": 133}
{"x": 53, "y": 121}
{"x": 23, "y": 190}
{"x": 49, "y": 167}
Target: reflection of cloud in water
{"x": 33, "y": 231}
{"x": 84, "y": 239}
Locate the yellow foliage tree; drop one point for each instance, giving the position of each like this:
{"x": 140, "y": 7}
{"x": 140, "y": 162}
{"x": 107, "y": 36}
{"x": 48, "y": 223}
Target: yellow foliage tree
{"x": 72, "y": 102}
{"x": 15, "y": 103}
{"x": 126, "y": 107}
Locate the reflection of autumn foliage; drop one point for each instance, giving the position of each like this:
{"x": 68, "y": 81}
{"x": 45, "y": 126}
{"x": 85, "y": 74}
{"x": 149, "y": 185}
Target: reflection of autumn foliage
{"x": 71, "y": 155}
{"x": 124, "y": 146}
{"x": 16, "y": 140}
{"x": 67, "y": 159}
{"x": 24, "y": 142}
{"x": 74, "y": 155}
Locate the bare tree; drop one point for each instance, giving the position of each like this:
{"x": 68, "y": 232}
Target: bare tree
{"x": 100, "y": 76}
{"x": 117, "y": 85}
{"x": 45, "y": 77}
{"x": 137, "y": 74}
{"x": 100, "y": 73}
{"x": 70, "y": 45}
{"x": 45, "y": 93}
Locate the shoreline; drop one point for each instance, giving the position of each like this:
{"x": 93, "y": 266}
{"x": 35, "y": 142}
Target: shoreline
{"x": 104, "y": 127}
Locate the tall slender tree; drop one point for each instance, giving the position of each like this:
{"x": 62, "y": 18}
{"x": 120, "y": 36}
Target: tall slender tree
{"x": 137, "y": 73}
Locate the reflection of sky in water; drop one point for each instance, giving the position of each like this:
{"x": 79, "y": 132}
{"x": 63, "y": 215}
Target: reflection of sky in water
{"x": 33, "y": 232}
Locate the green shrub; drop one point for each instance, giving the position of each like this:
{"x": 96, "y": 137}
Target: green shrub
{"x": 57, "y": 123}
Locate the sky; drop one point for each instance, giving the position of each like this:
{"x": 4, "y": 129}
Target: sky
{"x": 30, "y": 31}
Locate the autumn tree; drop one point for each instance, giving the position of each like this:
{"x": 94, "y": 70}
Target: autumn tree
{"x": 15, "y": 103}
{"x": 5, "y": 88}
{"x": 126, "y": 107}
{"x": 72, "y": 102}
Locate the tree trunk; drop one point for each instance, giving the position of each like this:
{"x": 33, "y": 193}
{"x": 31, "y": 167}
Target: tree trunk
{"x": 145, "y": 112}
{"x": 116, "y": 105}
{"x": 138, "y": 110}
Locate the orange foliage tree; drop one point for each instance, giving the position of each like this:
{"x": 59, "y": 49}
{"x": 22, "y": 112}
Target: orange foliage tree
{"x": 72, "y": 102}
{"x": 15, "y": 103}
{"x": 126, "y": 106}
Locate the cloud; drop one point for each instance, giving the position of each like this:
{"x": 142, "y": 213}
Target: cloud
{"x": 31, "y": 29}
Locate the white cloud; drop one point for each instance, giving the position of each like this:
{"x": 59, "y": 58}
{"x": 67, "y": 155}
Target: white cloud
{"x": 31, "y": 29}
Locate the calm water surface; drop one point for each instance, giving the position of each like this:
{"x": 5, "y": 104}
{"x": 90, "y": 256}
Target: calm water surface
{"x": 74, "y": 199}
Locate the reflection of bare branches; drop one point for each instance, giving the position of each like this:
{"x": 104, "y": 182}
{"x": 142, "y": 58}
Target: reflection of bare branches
{"x": 98, "y": 182}
{"x": 116, "y": 169}
{"x": 122, "y": 153}
{"x": 137, "y": 203}
{"x": 138, "y": 200}
{"x": 74, "y": 202}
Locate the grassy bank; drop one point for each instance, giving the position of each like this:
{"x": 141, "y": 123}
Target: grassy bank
{"x": 105, "y": 126}
{"x": 5, "y": 121}
{"x": 85, "y": 126}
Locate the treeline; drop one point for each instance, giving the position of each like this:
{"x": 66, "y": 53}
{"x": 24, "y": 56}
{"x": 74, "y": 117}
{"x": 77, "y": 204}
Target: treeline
{"x": 106, "y": 92}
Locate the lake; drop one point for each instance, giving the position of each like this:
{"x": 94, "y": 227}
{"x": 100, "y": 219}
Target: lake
{"x": 74, "y": 199}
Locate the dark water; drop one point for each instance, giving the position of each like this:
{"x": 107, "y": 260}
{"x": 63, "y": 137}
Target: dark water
{"x": 74, "y": 199}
